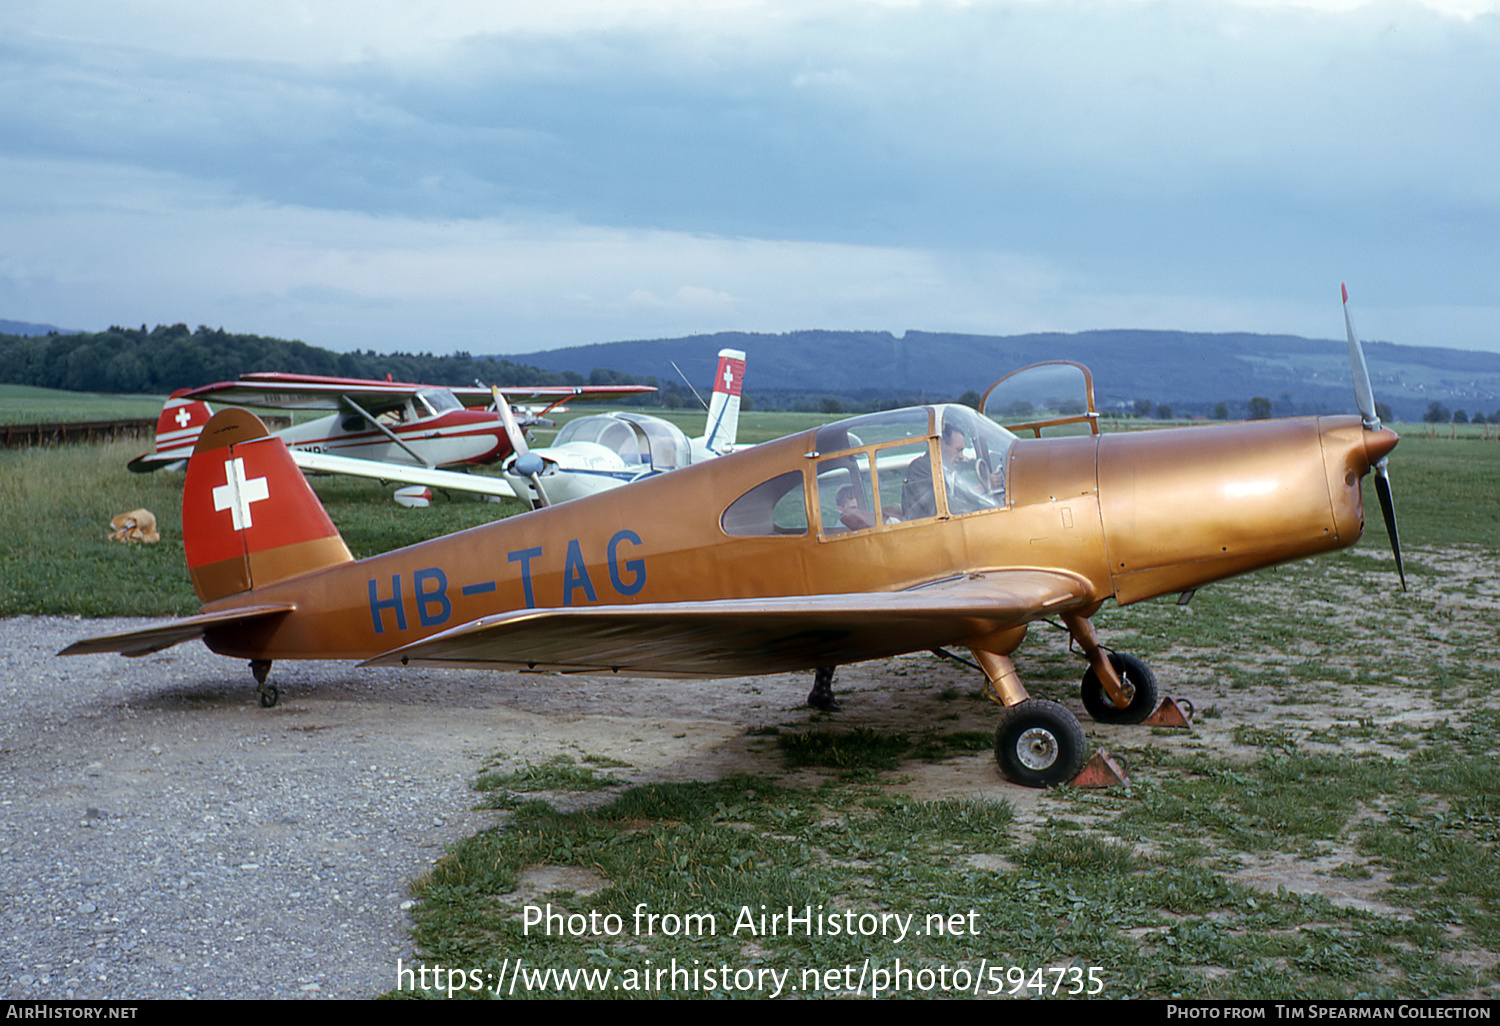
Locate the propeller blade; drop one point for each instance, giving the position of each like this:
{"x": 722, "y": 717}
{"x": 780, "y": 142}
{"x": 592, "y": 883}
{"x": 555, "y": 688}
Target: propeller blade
{"x": 531, "y": 468}
{"x": 1388, "y": 512}
{"x": 1364, "y": 395}
{"x": 508, "y": 418}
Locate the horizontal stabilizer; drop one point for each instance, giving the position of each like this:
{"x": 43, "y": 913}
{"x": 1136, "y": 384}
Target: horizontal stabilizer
{"x": 154, "y": 639}
{"x": 152, "y": 461}
{"x": 733, "y": 637}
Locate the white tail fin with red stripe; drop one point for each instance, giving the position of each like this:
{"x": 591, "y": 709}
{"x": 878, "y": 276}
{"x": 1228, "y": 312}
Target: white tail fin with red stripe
{"x": 249, "y": 518}
{"x": 724, "y": 407}
{"x": 178, "y": 426}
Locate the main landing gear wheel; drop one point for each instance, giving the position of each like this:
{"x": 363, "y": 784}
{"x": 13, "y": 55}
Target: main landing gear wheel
{"x": 1140, "y": 688}
{"x": 1039, "y": 744}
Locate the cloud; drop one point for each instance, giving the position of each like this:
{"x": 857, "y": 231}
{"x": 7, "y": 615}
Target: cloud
{"x": 979, "y": 166}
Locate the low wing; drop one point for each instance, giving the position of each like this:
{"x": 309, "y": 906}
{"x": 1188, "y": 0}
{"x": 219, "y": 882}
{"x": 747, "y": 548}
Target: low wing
{"x": 274, "y": 391}
{"x": 733, "y": 637}
{"x": 154, "y": 639}
{"x": 448, "y": 480}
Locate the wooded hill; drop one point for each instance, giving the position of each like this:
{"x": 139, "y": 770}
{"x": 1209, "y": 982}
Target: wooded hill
{"x": 1190, "y": 372}
{"x": 164, "y": 359}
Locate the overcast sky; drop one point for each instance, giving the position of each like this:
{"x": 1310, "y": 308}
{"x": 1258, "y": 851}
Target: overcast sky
{"x": 503, "y": 177}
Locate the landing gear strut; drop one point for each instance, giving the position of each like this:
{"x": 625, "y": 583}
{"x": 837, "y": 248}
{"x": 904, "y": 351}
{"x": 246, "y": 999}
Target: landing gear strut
{"x": 821, "y": 695}
{"x": 1116, "y": 688}
{"x": 1138, "y": 685}
{"x": 261, "y": 668}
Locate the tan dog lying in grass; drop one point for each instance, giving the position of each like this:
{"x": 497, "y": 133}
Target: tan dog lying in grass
{"x": 139, "y": 525}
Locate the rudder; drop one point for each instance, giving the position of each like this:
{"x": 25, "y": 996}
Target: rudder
{"x": 724, "y": 406}
{"x": 249, "y": 517}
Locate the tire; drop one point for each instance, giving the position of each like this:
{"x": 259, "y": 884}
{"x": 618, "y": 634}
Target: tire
{"x": 1139, "y": 681}
{"x": 1039, "y": 744}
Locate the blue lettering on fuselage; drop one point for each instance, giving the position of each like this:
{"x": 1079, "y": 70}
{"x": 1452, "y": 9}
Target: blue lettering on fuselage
{"x": 434, "y": 607}
{"x": 429, "y": 597}
{"x": 576, "y": 574}
{"x": 636, "y": 567}
{"x": 524, "y": 557}
{"x": 394, "y": 603}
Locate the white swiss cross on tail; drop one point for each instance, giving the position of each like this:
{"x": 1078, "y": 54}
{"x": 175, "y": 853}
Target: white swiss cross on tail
{"x": 183, "y": 416}
{"x": 236, "y": 493}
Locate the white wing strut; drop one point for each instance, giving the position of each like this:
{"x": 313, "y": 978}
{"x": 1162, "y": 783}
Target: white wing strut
{"x": 451, "y": 480}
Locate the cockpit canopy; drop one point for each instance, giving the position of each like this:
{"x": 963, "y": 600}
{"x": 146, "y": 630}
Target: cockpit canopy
{"x": 638, "y": 439}
{"x": 878, "y": 470}
{"x": 1058, "y": 394}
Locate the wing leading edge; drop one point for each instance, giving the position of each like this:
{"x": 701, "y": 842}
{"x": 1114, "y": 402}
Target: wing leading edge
{"x": 735, "y": 637}
{"x": 268, "y": 390}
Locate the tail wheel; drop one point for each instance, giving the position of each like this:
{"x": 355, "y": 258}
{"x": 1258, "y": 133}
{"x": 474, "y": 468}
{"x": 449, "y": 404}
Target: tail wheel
{"x": 1039, "y": 744}
{"x": 1140, "y": 688}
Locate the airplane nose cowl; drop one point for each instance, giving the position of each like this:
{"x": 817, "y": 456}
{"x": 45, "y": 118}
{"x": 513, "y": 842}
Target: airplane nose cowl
{"x": 1379, "y": 443}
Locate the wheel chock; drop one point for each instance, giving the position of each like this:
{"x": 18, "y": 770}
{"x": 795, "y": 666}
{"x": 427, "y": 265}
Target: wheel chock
{"x": 1171, "y": 713}
{"x": 1101, "y": 771}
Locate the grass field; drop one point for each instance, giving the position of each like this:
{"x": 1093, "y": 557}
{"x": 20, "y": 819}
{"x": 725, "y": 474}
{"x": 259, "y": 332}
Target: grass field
{"x": 1329, "y": 828}
{"x": 24, "y": 404}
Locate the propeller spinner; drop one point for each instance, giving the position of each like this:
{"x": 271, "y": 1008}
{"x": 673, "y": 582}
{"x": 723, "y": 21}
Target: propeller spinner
{"x": 1364, "y": 395}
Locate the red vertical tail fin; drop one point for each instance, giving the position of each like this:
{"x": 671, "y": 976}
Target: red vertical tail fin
{"x": 249, "y": 518}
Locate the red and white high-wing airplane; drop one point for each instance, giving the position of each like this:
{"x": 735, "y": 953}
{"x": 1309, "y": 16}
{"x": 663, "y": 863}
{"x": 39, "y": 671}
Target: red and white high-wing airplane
{"x": 394, "y": 431}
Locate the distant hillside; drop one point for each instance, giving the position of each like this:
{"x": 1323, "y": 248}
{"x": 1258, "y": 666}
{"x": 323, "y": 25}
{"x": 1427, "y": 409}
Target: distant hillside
{"x": 27, "y": 328}
{"x": 1187, "y": 372}
{"x": 1190, "y": 372}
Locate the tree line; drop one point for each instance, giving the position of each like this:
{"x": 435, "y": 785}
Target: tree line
{"x": 164, "y": 359}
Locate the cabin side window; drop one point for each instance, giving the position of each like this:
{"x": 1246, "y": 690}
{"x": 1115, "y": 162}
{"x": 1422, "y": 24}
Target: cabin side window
{"x": 846, "y": 500}
{"x": 776, "y": 506}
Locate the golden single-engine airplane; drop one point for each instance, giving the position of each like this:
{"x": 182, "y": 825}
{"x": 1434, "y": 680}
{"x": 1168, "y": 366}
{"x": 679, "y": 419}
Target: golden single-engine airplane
{"x": 903, "y": 531}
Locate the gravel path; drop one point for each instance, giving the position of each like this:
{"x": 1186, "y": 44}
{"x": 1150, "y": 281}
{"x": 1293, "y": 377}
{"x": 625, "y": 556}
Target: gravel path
{"x": 161, "y": 835}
